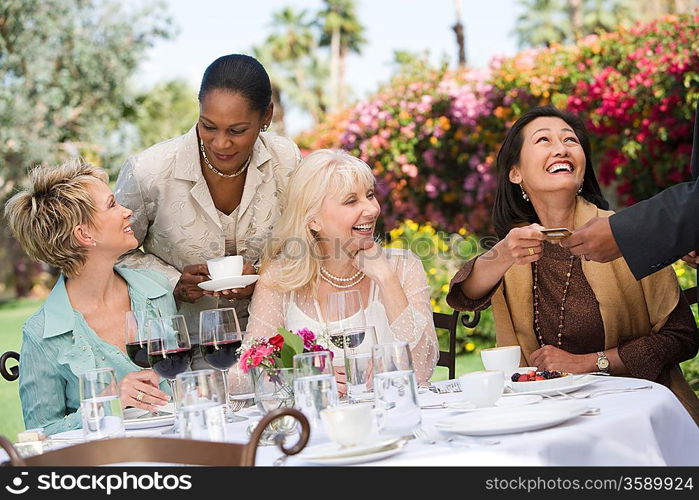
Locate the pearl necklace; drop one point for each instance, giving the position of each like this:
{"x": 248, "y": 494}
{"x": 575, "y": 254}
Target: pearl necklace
{"x": 561, "y": 314}
{"x": 217, "y": 171}
{"x": 349, "y": 282}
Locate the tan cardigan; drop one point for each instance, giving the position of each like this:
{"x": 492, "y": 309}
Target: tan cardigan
{"x": 628, "y": 307}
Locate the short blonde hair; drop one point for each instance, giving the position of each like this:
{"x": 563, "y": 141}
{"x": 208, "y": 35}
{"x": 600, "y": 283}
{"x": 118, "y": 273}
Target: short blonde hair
{"x": 43, "y": 216}
{"x": 294, "y": 246}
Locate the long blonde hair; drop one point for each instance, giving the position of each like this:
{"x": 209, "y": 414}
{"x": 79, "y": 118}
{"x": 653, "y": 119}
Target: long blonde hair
{"x": 294, "y": 247}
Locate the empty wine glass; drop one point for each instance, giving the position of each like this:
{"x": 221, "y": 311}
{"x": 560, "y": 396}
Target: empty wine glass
{"x": 219, "y": 340}
{"x": 169, "y": 349}
{"x": 344, "y": 310}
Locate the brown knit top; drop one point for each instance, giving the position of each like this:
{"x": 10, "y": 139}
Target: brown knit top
{"x": 583, "y": 332}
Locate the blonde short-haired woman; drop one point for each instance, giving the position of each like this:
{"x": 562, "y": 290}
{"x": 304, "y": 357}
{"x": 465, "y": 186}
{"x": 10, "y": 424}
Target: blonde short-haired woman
{"x": 68, "y": 218}
{"x": 326, "y": 235}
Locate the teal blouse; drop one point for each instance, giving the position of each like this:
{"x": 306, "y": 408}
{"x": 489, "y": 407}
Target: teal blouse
{"x": 58, "y": 345}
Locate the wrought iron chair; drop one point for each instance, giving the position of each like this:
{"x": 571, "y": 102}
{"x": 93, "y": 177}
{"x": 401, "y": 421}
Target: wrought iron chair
{"x": 12, "y": 373}
{"x": 162, "y": 450}
{"x": 449, "y": 322}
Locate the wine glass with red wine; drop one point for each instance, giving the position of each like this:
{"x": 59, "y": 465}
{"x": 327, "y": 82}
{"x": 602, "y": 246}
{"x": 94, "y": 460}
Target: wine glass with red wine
{"x": 169, "y": 349}
{"x": 137, "y": 336}
{"x": 219, "y": 340}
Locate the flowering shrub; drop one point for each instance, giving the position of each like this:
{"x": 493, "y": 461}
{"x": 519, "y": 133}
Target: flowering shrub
{"x": 442, "y": 255}
{"x": 277, "y": 351}
{"x": 432, "y": 139}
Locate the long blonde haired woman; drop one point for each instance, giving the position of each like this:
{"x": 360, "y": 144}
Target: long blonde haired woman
{"x": 324, "y": 243}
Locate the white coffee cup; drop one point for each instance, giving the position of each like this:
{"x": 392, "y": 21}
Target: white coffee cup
{"x": 506, "y": 359}
{"x": 482, "y": 388}
{"x": 225, "y": 267}
{"x": 350, "y": 425}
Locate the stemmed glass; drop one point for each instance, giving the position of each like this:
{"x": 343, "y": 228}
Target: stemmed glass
{"x": 344, "y": 310}
{"x": 219, "y": 340}
{"x": 137, "y": 336}
{"x": 169, "y": 349}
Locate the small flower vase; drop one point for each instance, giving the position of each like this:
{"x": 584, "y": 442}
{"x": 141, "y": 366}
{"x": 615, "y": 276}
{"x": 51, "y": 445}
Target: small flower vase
{"x": 274, "y": 388}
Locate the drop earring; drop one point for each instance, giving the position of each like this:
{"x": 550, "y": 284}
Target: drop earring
{"x": 264, "y": 127}
{"x": 524, "y": 194}
{"x": 580, "y": 190}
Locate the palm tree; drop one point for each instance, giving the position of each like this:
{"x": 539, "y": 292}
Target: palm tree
{"x": 459, "y": 32}
{"x": 343, "y": 33}
{"x": 542, "y": 22}
{"x": 291, "y": 53}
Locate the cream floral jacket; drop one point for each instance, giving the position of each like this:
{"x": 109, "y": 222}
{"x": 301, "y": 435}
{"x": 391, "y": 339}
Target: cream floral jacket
{"x": 175, "y": 220}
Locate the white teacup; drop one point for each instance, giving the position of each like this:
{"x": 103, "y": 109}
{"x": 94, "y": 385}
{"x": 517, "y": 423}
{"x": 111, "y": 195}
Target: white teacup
{"x": 506, "y": 359}
{"x": 350, "y": 425}
{"x": 225, "y": 267}
{"x": 482, "y": 388}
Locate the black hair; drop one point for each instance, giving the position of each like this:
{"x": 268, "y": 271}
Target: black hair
{"x": 509, "y": 208}
{"x": 239, "y": 74}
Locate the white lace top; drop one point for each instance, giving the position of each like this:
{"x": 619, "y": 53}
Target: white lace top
{"x": 271, "y": 308}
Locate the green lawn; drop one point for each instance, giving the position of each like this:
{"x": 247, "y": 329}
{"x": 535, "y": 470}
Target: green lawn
{"x": 12, "y": 316}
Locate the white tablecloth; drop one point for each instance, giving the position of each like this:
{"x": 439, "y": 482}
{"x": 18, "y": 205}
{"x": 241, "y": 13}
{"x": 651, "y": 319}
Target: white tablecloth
{"x": 648, "y": 427}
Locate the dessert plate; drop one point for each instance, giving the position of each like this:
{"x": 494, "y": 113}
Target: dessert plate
{"x": 227, "y": 283}
{"x": 135, "y": 418}
{"x": 334, "y": 454}
{"x": 564, "y": 384}
{"x": 508, "y": 422}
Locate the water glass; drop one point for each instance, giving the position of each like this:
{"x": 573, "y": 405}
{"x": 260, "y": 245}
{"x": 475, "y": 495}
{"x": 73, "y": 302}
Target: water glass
{"x": 309, "y": 364}
{"x": 358, "y": 343}
{"x": 395, "y": 389}
{"x": 315, "y": 387}
{"x": 201, "y": 410}
{"x": 100, "y": 405}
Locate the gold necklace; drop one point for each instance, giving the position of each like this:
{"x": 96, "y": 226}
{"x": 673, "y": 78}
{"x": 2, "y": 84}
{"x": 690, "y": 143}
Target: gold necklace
{"x": 217, "y": 171}
{"x": 561, "y": 313}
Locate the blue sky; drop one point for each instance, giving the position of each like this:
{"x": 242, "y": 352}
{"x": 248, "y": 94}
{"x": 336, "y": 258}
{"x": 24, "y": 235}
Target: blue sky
{"x": 210, "y": 28}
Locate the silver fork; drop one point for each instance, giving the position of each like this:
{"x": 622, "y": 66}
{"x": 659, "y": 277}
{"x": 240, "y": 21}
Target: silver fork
{"x": 422, "y": 435}
{"x": 452, "y": 386}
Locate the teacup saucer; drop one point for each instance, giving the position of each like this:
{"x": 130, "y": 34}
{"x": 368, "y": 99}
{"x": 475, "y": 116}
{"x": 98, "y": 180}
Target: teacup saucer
{"x": 333, "y": 450}
{"x": 230, "y": 282}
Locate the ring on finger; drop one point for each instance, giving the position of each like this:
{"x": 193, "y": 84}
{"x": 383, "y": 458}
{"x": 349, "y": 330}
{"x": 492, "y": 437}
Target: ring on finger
{"x": 139, "y": 396}
{"x": 530, "y": 250}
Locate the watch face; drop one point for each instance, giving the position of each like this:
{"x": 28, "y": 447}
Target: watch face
{"x": 602, "y": 363}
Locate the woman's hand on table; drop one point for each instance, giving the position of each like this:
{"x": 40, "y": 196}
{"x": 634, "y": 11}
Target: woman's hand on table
{"x": 186, "y": 289}
{"x": 140, "y": 389}
{"x": 238, "y": 293}
{"x": 553, "y": 358}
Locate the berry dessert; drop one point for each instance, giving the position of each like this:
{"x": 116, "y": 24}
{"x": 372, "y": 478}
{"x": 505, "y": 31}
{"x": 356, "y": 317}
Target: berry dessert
{"x": 532, "y": 376}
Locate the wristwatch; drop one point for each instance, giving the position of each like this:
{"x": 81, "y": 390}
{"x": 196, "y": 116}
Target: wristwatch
{"x": 602, "y": 362}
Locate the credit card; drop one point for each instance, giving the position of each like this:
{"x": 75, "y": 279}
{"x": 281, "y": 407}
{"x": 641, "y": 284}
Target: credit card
{"x": 556, "y": 233}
